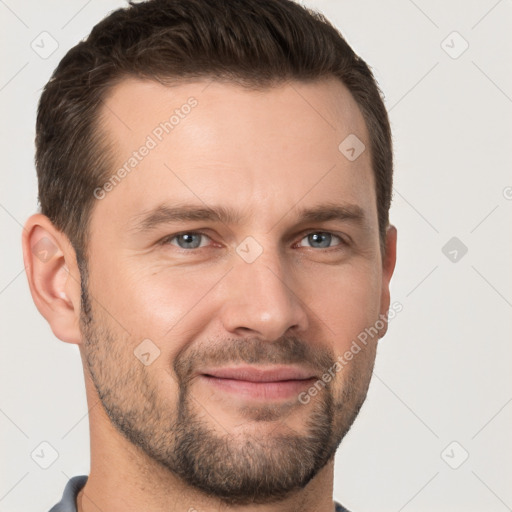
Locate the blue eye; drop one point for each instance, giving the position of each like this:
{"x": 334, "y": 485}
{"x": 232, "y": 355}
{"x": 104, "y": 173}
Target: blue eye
{"x": 196, "y": 240}
{"x": 321, "y": 240}
{"x": 188, "y": 240}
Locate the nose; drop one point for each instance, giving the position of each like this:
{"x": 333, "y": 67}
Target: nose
{"x": 259, "y": 300}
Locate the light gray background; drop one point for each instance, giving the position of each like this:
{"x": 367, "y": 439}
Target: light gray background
{"x": 443, "y": 372}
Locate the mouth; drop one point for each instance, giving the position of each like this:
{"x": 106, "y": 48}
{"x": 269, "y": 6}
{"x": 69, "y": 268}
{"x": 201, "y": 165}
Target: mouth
{"x": 270, "y": 383}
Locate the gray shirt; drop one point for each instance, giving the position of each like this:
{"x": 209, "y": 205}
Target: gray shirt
{"x": 68, "y": 501}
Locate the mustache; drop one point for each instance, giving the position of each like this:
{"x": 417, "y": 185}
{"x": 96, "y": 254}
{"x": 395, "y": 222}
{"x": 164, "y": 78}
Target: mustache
{"x": 287, "y": 350}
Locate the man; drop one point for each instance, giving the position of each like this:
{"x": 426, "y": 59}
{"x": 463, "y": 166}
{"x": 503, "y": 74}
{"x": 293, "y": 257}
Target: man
{"x": 215, "y": 179}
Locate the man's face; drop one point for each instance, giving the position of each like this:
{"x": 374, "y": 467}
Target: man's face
{"x": 267, "y": 287}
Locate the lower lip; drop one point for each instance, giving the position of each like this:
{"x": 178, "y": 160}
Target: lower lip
{"x": 260, "y": 390}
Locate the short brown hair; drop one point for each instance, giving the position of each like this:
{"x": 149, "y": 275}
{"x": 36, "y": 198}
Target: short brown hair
{"x": 255, "y": 43}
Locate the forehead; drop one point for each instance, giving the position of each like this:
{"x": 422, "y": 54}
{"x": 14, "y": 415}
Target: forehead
{"x": 259, "y": 151}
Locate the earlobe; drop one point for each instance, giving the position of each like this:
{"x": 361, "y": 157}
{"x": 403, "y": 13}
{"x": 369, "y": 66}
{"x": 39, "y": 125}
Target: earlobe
{"x": 53, "y": 276}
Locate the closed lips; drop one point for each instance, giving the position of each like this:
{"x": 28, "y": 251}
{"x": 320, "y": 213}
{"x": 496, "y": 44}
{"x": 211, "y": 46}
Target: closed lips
{"x": 253, "y": 374}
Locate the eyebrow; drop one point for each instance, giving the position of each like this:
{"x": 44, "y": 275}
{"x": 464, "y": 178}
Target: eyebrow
{"x": 165, "y": 214}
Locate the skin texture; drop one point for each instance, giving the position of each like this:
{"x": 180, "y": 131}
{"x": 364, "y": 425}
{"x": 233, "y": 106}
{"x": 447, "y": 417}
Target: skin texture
{"x": 162, "y": 437}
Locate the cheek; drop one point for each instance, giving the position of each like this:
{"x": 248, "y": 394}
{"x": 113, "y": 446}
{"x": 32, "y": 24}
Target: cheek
{"x": 346, "y": 304}
{"x": 165, "y": 301}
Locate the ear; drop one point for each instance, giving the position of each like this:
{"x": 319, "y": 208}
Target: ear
{"x": 53, "y": 276}
{"x": 388, "y": 266}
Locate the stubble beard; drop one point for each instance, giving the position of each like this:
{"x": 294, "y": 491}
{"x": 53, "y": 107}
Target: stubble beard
{"x": 237, "y": 467}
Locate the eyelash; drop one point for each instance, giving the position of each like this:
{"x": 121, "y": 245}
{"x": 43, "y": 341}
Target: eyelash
{"x": 167, "y": 240}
